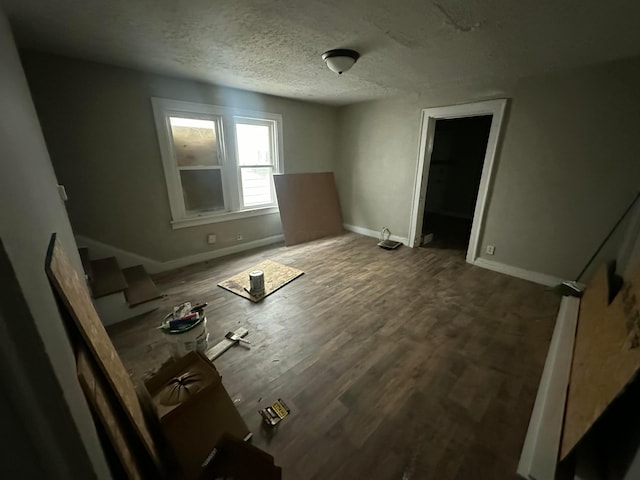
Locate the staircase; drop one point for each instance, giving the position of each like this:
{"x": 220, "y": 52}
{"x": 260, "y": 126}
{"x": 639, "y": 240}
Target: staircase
{"x": 119, "y": 293}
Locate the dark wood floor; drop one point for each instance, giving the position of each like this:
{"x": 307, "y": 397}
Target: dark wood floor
{"x": 407, "y": 364}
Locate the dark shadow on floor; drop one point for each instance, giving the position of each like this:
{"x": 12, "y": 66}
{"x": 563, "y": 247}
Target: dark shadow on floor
{"x": 449, "y": 233}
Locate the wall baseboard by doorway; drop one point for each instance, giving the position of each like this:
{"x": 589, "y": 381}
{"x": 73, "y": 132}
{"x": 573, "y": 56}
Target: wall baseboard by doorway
{"x": 373, "y": 233}
{"x": 535, "y": 277}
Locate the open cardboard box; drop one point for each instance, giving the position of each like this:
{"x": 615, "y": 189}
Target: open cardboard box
{"x": 194, "y": 410}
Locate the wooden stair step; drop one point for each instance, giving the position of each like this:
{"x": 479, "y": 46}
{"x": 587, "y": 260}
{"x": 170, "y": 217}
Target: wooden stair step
{"x": 141, "y": 288}
{"x": 107, "y": 277}
{"x": 86, "y": 262}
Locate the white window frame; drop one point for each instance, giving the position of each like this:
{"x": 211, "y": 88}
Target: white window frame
{"x": 273, "y": 126}
{"x": 226, "y": 118}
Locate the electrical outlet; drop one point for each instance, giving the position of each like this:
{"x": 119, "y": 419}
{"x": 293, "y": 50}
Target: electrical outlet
{"x": 491, "y": 249}
{"x": 211, "y": 239}
{"x": 239, "y": 237}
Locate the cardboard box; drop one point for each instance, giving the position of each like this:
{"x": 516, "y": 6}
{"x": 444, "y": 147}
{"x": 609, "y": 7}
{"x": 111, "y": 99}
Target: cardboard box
{"x": 194, "y": 410}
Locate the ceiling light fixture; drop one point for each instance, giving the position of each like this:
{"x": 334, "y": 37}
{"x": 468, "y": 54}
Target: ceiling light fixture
{"x": 340, "y": 60}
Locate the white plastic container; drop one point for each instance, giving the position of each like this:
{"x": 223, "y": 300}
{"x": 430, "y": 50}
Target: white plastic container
{"x": 256, "y": 282}
{"x": 188, "y": 339}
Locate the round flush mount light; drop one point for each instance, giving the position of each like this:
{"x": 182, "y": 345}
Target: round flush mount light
{"x": 340, "y": 60}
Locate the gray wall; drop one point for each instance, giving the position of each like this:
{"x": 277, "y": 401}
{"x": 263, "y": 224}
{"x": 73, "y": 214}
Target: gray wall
{"x": 37, "y": 365}
{"x": 567, "y": 167}
{"x": 376, "y": 167}
{"x": 100, "y": 131}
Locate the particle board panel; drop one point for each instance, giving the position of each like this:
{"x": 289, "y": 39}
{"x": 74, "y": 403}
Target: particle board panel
{"x": 606, "y": 354}
{"x": 309, "y": 206}
{"x": 74, "y": 295}
{"x": 276, "y": 276}
{"x": 539, "y": 456}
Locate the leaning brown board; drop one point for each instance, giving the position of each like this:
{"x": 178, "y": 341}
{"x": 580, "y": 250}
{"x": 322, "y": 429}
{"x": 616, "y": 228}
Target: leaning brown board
{"x": 100, "y": 400}
{"x": 74, "y": 295}
{"x": 309, "y": 206}
{"x": 606, "y": 354}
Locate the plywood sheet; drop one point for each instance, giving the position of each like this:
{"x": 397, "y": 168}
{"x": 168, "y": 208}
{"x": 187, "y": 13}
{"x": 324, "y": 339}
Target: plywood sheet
{"x": 74, "y": 295}
{"x": 309, "y": 206}
{"x": 606, "y": 354}
{"x": 276, "y": 276}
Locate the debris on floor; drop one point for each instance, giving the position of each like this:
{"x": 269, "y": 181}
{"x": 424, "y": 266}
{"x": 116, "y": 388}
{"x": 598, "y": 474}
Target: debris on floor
{"x": 275, "y": 413}
{"x": 385, "y": 241}
{"x": 231, "y": 339}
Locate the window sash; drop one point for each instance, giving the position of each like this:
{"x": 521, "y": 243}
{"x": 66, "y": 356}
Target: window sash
{"x": 271, "y": 189}
{"x": 230, "y": 170}
{"x": 272, "y": 165}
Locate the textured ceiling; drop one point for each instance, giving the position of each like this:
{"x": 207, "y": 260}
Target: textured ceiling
{"x": 407, "y": 46}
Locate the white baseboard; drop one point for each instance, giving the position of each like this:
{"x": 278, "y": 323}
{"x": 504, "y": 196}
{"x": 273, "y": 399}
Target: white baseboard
{"x": 127, "y": 259}
{"x": 541, "y": 278}
{"x": 373, "y": 233}
{"x": 539, "y": 457}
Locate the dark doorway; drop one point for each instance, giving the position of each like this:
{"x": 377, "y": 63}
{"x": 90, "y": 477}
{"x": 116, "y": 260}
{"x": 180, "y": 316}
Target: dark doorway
{"x": 455, "y": 170}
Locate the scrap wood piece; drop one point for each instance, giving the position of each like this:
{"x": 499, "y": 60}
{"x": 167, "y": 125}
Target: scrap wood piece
{"x": 276, "y": 276}
{"x": 74, "y": 295}
{"x": 606, "y": 354}
{"x": 225, "y": 344}
{"x": 309, "y": 206}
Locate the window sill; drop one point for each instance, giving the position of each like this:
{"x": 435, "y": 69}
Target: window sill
{"x": 222, "y": 217}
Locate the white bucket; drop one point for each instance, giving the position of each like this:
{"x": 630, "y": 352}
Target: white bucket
{"x": 185, "y": 340}
{"x": 256, "y": 282}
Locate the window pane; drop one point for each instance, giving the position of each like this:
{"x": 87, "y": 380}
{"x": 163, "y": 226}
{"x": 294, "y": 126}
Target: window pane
{"x": 254, "y": 144}
{"x": 256, "y": 186}
{"x": 194, "y": 141}
{"x": 202, "y": 190}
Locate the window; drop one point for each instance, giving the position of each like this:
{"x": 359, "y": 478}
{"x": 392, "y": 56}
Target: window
{"x": 218, "y": 162}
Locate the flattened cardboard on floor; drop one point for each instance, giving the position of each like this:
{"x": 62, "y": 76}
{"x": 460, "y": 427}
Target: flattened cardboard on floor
{"x": 193, "y": 421}
{"x": 309, "y": 206}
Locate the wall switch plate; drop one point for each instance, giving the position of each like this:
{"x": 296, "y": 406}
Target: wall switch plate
{"x": 211, "y": 239}
{"x": 63, "y": 193}
{"x": 239, "y": 236}
{"x": 491, "y": 249}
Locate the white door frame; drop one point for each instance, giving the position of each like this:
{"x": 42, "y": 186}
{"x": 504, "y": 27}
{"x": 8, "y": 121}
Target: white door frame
{"x": 427, "y": 132}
